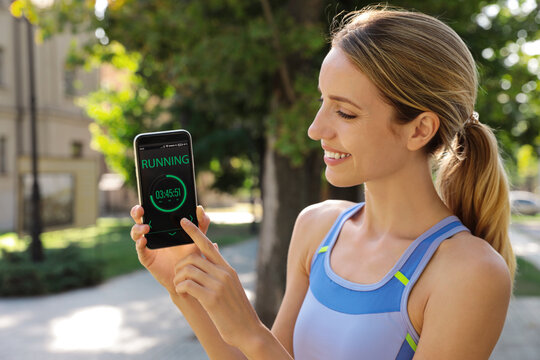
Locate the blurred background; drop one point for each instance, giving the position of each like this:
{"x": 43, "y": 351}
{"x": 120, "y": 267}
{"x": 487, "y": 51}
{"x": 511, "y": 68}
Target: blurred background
{"x": 80, "y": 78}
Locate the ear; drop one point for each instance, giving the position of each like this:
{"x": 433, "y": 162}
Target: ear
{"x": 422, "y": 129}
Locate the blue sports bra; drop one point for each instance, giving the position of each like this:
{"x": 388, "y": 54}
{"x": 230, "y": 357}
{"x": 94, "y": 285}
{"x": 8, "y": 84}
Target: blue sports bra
{"x": 343, "y": 320}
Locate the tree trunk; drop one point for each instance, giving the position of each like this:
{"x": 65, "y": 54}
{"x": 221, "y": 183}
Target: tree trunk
{"x": 287, "y": 190}
{"x": 354, "y": 193}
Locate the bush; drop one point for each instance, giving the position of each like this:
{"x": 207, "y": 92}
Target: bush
{"x": 63, "y": 269}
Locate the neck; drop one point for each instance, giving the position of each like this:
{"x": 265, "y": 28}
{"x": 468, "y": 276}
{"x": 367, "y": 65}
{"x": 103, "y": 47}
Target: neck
{"x": 403, "y": 205}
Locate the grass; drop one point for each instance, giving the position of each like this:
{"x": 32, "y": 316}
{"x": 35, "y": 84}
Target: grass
{"x": 516, "y": 219}
{"x": 527, "y": 279}
{"x": 109, "y": 240}
{"x": 528, "y": 276}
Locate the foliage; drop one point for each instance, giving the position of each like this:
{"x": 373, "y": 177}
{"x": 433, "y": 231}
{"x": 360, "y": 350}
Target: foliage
{"x": 510, "y": 72}
{"x": 527, "y": 161}
{"x": 210, "y": 77}
{"x": 105, "y": 248}
{"x": 212, "y": 67}
{"x": 64, "y": 269}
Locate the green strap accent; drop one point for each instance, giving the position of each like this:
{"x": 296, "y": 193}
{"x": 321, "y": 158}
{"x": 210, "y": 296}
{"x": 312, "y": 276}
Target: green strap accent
{"x": 323, "y": 249}
{"x": 399, "y": 275}
{"x": 411, "y": 342}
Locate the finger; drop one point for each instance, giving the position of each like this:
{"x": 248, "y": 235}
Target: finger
{"x": 203, "y": 219}
{"x": 196, "y": 260}
{"x": 137, "y": 231}
{"x": 190, "y": 287}
{"x": 203, "y": 243}
{"x": 140, "y": 244}
{"x": 143, "y": 253}
{"x": 192, "y": 272}
{"x": 137, "y": 213}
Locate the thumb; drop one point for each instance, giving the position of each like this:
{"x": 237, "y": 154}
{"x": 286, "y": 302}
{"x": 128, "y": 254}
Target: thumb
{"x": 144, "y": 254}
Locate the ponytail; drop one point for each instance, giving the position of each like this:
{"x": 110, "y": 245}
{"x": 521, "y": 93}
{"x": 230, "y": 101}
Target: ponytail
{"x": 472, "y": 182}
{"x": 419, "y": 64}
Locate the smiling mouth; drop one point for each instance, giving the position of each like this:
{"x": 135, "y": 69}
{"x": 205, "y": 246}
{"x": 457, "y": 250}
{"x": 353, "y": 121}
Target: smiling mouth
{"x": 335, "y": 155}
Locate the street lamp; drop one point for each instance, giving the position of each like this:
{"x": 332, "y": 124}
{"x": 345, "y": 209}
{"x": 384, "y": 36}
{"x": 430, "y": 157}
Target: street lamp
{"x": 36, "y": 247}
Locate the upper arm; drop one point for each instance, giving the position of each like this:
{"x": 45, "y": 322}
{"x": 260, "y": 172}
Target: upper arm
{"x": 465, "y": 312}
{"x": 310, "y": 228}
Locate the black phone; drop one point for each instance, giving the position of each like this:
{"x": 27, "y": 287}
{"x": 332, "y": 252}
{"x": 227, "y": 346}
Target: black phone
{"x": 166, "y": 185}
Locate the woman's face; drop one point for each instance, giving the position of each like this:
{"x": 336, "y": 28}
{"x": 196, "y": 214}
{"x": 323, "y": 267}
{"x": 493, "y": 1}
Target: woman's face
{"x": 353, "y": 125}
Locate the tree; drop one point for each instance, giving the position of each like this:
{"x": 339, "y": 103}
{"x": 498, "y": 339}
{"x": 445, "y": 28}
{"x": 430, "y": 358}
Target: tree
{"x": 241, "y": 75}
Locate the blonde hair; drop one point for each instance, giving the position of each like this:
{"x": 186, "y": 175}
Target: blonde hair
{"x": 420, "y": 64}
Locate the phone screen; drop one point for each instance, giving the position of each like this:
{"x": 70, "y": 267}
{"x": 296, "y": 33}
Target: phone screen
{"x": 166, "y": 185}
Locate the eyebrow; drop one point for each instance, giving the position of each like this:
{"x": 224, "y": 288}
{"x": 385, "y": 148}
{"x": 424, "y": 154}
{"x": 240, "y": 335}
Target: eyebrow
{"x": 341, "y": 99}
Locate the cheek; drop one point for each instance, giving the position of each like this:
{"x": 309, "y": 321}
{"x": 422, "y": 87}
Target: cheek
{"x": 378, "y": 154}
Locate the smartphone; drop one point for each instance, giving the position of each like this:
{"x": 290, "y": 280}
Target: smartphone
{"x": 166, "y": 185}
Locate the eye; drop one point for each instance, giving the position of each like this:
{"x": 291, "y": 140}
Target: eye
{"x": 345, "y": 116}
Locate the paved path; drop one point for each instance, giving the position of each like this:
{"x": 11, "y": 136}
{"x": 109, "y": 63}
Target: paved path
{"x": 131, "y": 317}
{"x": 526, "y": 241}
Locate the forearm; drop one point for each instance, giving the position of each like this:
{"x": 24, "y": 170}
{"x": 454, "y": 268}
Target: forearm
{"x": 264, "y": 346}
{"x": 261, "y": 346}
{"x": 205, "y": 330}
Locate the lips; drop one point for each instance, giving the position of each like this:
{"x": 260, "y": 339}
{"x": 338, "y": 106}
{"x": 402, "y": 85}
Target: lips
{"x": 333, "y": 157}
{"x": 333, "y": 153}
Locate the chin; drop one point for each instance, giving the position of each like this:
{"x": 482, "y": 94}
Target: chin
{"x": 341, "y": 180}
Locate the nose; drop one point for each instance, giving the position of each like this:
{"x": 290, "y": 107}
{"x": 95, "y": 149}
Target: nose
{"x": 320, "y": 128}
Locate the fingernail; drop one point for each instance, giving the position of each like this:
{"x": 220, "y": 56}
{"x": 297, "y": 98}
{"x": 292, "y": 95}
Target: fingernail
{"x": 184, "y": 221}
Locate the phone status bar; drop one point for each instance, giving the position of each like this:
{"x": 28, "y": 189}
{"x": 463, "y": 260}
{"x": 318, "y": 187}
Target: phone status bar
{"x": 163, "y": 146}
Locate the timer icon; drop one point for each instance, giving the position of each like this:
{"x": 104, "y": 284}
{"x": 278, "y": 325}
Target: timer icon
{"x": 168, "y": 193}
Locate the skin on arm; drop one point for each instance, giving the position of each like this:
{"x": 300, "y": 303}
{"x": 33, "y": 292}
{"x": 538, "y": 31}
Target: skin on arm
{"x": 309, "y": 230}
{"x": 465, "y": 312}
{"x": 161, "y": 263}
{"x": 215, "y": 284}
{"x": 208, "y": 292}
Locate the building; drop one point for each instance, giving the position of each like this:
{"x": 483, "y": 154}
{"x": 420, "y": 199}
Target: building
{"x": 69, "y": 169}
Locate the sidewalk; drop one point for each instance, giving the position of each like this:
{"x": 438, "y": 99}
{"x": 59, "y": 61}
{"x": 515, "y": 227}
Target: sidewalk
{"x": 131, "y": 317}
{"x": 521, "y": 334}
{"x": 526, "y": 241}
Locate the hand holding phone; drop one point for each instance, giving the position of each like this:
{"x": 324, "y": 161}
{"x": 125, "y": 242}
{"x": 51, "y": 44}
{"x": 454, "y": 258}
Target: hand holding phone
{"x": 161, "y": 262}
{"x": 166, "y": 185}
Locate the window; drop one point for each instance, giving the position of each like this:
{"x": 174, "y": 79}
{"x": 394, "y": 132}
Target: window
{"x": 2, "y": 80}
{"x": 57, "y": 199}
{"x": 76, "y": 149}
{"x": 69, "y": 83}
{"x": 3, "y": 155}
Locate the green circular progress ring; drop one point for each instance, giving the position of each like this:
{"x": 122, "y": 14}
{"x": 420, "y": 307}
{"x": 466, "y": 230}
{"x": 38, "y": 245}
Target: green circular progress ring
{"x": 181, "y": 203}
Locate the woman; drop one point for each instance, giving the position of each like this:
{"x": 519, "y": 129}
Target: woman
{"x": 418, "y": 270}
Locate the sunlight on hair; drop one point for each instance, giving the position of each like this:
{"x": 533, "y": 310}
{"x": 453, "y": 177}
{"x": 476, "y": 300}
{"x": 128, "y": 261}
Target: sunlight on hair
{"x": 94, "y": 329}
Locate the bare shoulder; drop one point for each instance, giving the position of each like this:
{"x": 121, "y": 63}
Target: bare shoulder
{"x": 469, "y": 291}
{"x": 468, "y": 262}
{"x": 466, "y": 252}
{"x": 311, "y": 226}
{"x": 317, "y": 219}
{"x": 323, "y": 210}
